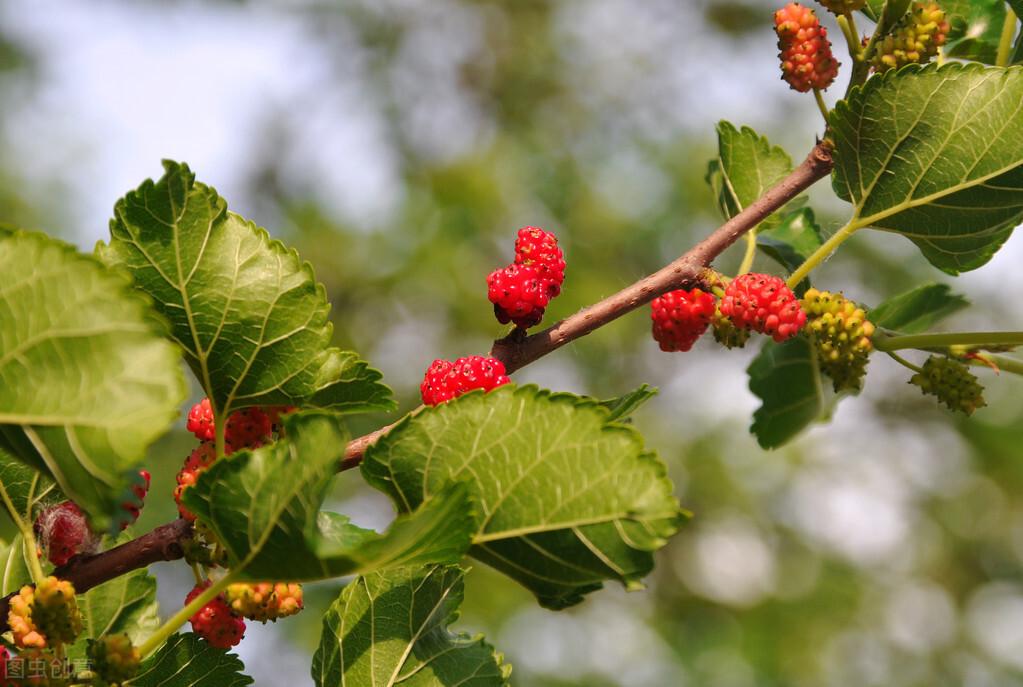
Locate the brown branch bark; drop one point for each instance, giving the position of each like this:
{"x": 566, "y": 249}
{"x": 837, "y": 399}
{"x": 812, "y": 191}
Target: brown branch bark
{"x": 165, "y": 543}
{"x": 517, "y": 351}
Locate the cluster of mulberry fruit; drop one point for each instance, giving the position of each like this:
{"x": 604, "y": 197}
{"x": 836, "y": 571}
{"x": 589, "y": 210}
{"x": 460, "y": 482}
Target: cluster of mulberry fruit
{"x": 263, "y": 601}
{"x": 763, "y": 303}
{"x": 247, "y": 428}
{"x": 114, "y": 659}
{"x": 221, "y": 621}
{"x": 215, "y": 621}
{"x": 725, "y": 332}
{"x": 951, "y": 382}
{"x": 915, "y": 40}
{"x": 841, "y": 334}
{"x": 62, "y": 530}
{"x": 445, "y": 380}
{"x": 805, "y": 51}
{"x": 681, "y": 317}
{"x": 44, "y": 615}
{"x": 807, "y": 61}
{"x": 44, "y": 618}
{"x": 521, "y": 291}
{"x": 201, "y": 457}
{"x": 751, "y": 302}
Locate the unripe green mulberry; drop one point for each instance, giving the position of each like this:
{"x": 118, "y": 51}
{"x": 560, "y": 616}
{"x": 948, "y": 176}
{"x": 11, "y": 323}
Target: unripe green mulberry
{"x": 916, "y": 38}
{"x": 841, "y": 333}
{"x": 55, "y": 611}
{"x": 19, "y": 619}
{"x": 952, "y": 382}
{"x": 843, "y": 6}
{"x": 725, "y": 331}
{"x": 45, "y": 615}
{"x": 114, "y": 659}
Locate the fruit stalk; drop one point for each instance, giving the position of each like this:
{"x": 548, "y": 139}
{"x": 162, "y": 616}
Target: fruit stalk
{"x": 851, "y": 33}
{"x": 28, "y": 536}
{"x": 172, "y": 624}
{"x": 1005, "y": 42}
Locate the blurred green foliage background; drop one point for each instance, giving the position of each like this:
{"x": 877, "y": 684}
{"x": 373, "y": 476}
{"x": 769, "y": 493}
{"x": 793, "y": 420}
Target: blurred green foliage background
{"x": 398, "y": 145}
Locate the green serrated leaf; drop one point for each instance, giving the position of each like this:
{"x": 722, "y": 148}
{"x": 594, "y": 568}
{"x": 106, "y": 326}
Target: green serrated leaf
{"x": 793, "y": 240}
{"x": 787, "y": 379}
{"x": 935, "y": 154}
{"x": 873, "y": 9}
{"x": 892, "y": 11}
{"x": 126, "y": 604}
{"x": 568, "y": 498}
{"x": 15, "y": 568}
{"x": 29, "y": 490}
{"x": 246, "y": 310}
{"x": 187, "y": 661}
{"x": 919, "y": 309}
{"x": 975, "y": 28}
{"x": 87, "y": 381}
{"x": 747, "y": 165}
{"x": 263, "y": 505}
{"x": 391, "y": 628}
{"x": 624, "y": 406}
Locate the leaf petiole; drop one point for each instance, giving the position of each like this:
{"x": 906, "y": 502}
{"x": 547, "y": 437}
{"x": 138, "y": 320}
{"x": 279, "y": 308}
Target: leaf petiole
{"x": 1005, "y": 42}
{"x": 902, "y": 361}
{"x": 945, "y": 340}
{"x": 27, "y": 535}
{"x": 861, "y": 67}
{"x": 751, "y": 251}
{"x": 852, "y": 38}
{"x": 822, "y": 253}
{"x": 821, "y": 105}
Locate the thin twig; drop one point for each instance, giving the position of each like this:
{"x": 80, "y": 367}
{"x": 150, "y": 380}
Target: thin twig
{"x": 686, "y": 270}
{"x": 166, "y": 543}
{"x": 516, "y": 351}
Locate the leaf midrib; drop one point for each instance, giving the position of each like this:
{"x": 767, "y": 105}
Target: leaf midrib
{"x": 570, "y": 524}
{"x": 418, "y": 633}
{"x": 955, "y": 130}
{"x": 182, "y": 287}
{"x": 31, "y": 342}
{"x": 861, "y": 222}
